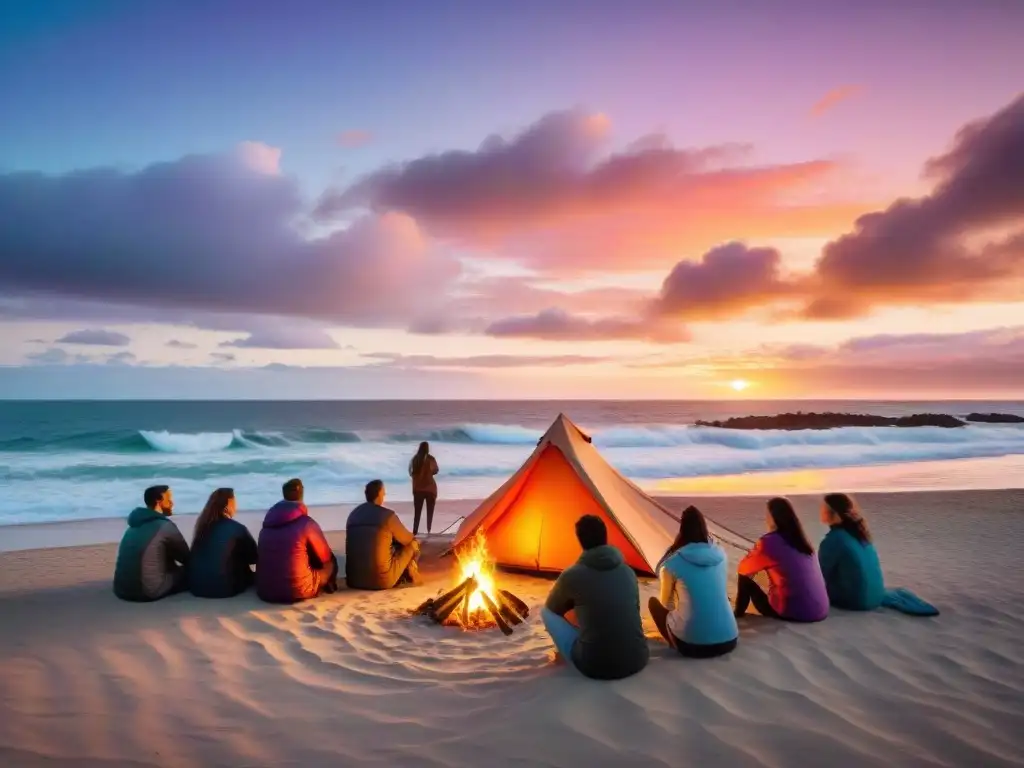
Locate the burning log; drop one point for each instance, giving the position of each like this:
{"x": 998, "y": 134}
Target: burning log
{"x": 496, "y": 615}
{"x": 448, "y": 602}
{"x": 517, "y": 605}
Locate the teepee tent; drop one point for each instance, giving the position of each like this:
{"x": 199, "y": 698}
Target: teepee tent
{"x": 529, "y": 522}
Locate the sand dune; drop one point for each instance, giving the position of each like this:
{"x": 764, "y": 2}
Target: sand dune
{"x": 353, "y": 678}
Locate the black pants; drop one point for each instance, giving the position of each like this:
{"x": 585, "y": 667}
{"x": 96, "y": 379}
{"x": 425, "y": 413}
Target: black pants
{"x": 418, "y": 497}
{"x": 329, "y": 577}
{"x": 660, "y": 615}
{"x": 749, "y": 591}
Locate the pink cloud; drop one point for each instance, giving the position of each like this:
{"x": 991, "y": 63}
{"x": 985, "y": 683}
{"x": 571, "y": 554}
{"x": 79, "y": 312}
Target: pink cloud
{"x": 553, "y": 198}
{"x": 834, "y": 98}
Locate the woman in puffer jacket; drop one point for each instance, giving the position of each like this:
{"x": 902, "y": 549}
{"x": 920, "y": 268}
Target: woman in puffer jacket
{"x": 223, "y": 550}
{"x": 694, "y": 572}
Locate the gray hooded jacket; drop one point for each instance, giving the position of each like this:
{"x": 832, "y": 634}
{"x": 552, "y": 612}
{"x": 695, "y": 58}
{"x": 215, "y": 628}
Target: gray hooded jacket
{"x": 603, "y": 592}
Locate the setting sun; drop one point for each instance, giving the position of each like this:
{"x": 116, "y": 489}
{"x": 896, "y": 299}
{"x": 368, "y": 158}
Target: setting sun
{"x": 739, "y": 384}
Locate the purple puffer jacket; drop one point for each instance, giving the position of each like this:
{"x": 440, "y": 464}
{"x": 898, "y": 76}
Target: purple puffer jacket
{"x": 292, "y": 550}
{"x": 797, "y": 588}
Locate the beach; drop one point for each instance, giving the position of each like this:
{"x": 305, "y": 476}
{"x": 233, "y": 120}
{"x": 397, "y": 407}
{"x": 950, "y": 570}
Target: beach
{"x": 353, "y": 678}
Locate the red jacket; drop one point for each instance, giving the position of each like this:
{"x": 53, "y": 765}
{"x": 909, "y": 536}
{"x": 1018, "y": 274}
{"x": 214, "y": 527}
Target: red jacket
{"x": 292, "y": 550}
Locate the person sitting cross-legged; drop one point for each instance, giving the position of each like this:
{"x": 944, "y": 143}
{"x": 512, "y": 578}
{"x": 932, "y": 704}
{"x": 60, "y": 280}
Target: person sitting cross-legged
{"x": 379, "y": 550}
{"x": 295, "y": 560}
{"x": 693, "y": 613}
{"x": 601, "y": 589}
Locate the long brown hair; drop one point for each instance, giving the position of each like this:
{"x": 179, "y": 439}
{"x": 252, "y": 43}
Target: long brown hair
{"x": 849, "y": 518}
{"x": 693, "y": 529}
{"x": 421, "y": 456}
{"x": 215, "y": 509}
{"x": 788, "y": 526}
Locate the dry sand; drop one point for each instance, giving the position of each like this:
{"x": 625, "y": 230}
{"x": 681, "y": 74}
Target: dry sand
{"x": 352, "y": 679}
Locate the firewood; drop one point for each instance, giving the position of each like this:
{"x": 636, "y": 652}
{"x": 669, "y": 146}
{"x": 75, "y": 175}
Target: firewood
{"x": 443, "y": 608}
{"x": 507, "y": 611}
{"x": 465, "y": 609}
{"x": 425, "y": 607}
{"x": 496, "y": 615}
{"x": 510, "y": 616}
{"x": 515, "y": 603}
{"x": 439, "y": 601}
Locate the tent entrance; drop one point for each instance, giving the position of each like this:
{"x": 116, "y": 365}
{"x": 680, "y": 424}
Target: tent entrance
{"x": 536, "y": 531}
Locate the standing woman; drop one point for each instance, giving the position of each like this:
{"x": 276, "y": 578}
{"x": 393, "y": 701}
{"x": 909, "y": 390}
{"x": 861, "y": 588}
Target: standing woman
{"x": 222, "y": 550}
{"x": 422, "y": 469}
{"x": 796, "y": 589}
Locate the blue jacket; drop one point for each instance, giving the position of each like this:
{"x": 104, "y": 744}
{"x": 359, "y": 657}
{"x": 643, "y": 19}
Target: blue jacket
{"x": 853, "y": 575}
{"x": 703, "y": 572}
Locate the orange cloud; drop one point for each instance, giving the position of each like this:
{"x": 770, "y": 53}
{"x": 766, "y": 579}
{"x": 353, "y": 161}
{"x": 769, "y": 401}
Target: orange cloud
{"x": 834, "y": 98}
{"x": 553, "y": 199}
{"x": 354, "y": 138}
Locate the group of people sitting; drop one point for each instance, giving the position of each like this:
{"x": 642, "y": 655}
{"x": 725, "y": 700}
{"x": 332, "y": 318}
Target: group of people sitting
{"x": 293, "y": 559}
{"x": 593, "y": 611}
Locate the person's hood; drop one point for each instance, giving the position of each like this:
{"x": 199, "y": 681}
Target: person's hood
{"x": 283, "y": 513}
{"x": 702, "y": 555}
{"x": 142, "y": 515}
{"x": 603, "y": 558}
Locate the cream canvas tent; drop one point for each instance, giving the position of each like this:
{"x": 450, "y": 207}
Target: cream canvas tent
{"x": 529, "y": 522}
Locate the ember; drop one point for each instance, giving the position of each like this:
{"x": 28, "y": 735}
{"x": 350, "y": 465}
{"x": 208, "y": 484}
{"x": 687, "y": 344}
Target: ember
{"x": 475, "y": 603}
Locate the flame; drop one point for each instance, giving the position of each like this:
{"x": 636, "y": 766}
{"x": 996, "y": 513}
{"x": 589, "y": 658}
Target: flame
{"x": 476, "y": 561}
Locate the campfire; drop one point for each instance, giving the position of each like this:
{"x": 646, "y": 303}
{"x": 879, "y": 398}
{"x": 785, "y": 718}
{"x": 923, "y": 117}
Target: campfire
{"x": 476, "y": 602}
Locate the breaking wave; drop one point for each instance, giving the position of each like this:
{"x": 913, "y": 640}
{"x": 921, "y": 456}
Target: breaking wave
{"x": 972, "y": 440}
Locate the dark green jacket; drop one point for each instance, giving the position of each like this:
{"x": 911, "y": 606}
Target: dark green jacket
{"x": 151, "y": 558}
{"x": 219, "y": 563}
{"x": 603, "y": 592}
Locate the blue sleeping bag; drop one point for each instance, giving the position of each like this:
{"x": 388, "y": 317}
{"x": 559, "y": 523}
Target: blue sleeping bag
{"x": 905, "y": 601}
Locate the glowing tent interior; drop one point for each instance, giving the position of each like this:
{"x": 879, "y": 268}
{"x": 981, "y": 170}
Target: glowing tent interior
{"x": 529, "y": 522}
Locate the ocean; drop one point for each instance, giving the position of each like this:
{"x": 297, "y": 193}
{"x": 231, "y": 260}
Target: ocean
{"x": 79, "y": 460}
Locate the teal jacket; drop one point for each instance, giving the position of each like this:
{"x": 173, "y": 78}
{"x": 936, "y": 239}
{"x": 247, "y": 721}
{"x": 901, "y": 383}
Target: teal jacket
{"x": 604, "y": 593}
{"x": 702, "y": 571}
{"x": 853, "y": 574}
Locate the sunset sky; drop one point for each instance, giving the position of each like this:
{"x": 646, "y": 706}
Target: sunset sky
{"x": 532, "y": 199}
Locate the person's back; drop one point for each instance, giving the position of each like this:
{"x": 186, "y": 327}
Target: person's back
{"x": 378, "y": 547}
{"x": 702, "y": 571}
{"x": 219, "y": 566}
{"x": 152, "y": 555}
{"x": 293, "y": 553}
{"x": 797, "y": 587}
{"x": 852, "y": 571}
{"x": 603, "y": 592}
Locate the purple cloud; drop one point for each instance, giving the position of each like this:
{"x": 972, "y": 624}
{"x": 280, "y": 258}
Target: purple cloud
{"x": 926, "y": 249}
{"x": 726, "y": 281}
{"x": 95, "y": 337}
{"x": 558, "y": 325}
{"x": 211, "y": 233}
{"x": 285, "y": 337}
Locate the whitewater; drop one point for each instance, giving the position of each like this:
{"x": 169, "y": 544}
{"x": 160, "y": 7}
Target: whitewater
{"x": 57, "y": 474}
